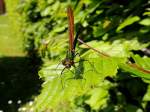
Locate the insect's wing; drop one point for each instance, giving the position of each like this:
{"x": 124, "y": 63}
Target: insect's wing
{"x": 75, "y": 40}
{"x": 71, "y": 28}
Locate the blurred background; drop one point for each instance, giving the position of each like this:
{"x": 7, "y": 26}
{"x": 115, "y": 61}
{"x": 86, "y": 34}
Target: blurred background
{"x": 19, "y": 81}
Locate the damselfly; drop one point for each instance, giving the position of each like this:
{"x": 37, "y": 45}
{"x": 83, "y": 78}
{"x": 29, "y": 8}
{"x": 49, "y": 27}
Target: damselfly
{"x": 68, "y": 62}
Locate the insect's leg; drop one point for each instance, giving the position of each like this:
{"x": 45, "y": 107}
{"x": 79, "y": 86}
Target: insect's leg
{"x": 90, "y": 63}
{"x": 75, "y": 69}
{"x": 71, "y": 71}
{"x": 80, "y": 73}
{"x": 62, "y": 74}
{"x": 61, "y": 77}
{"x": 57, "y": 67}
{"x": 62, "y": 71}
{"x": 81, "y": 59}
{"x": 77, "y": 54}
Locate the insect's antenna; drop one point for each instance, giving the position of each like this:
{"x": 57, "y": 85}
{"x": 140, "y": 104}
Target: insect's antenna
{"x": 138, "y": 67}
{"x": 93, "y": 48}
{"x": 62, "y": 74}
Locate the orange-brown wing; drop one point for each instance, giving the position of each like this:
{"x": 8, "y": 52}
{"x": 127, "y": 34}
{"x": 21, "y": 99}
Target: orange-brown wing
{"x": 71, "y": 27}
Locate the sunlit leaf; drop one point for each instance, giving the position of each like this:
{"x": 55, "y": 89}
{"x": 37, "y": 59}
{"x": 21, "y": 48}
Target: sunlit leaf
{"x": 127, "y": 22}
{"x": 139, "y": 72}
{"x": 147, "y": 95}
{"x": 98, "y": 96}
{"x": 143, "y": 62}
{"x": 146, "y": 13}
{"x": 145, "y": 22}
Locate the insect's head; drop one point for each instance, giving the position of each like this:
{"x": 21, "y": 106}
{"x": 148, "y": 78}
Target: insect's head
{"x": 67, "y": 63}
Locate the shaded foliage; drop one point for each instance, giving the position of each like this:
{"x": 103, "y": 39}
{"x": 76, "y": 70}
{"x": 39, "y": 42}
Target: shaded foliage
{"x": 18, "y": 82}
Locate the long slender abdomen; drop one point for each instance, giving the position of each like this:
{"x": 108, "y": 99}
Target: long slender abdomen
{"x": 71, "y": 27}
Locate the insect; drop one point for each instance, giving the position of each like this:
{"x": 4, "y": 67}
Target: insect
{"x": 68, "y": 62}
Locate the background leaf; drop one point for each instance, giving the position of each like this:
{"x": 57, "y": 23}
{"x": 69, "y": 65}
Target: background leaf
{"x": 128, "y": 21}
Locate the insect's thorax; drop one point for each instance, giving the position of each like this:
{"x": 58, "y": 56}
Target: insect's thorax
{"x": 70, "y": 55}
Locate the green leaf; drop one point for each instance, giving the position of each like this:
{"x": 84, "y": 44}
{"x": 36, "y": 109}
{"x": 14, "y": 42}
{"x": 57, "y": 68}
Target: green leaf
{"x": 140, "y": 68}
{"x": 145, "y": 22}
{"x": 127, "y": 22}
{"x": 146, "y": 13}
{"x": 98, "y": 30}
{"x": 102, "y": 65}
{"x": 132, "y": 108}
{"x": 99, "y": 96}
{"x": 135, "y": 71}
{"x": 147, "y": 95}
{"x": 143, "y": 62}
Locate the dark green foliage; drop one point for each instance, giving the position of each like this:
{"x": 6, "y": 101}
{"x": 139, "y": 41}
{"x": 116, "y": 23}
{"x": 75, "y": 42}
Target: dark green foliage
{"x": 119, "y": 28}
{"x": 19, "y": 81}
